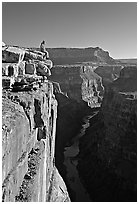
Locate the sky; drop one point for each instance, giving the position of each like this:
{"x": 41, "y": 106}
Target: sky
{"x": 109, "y": 25}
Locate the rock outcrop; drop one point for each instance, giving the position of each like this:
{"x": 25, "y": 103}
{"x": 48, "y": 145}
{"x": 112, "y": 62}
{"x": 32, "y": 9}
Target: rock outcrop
{"x": 110, "y": 172}
{"x": 23, "y": 67}
{"x": 29, "y": 115}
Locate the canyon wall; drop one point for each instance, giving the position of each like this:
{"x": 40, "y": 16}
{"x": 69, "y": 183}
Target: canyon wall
{"x": 29, "y": 126}
{"x": 79, "y": 83}
{"x": 109, "y": 73}
{"x": 110, "y": 144}
{"x": 29, "y": 115}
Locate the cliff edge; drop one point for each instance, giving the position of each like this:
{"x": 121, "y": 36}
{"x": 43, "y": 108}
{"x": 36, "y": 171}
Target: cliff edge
{"x": 29, "y": 114}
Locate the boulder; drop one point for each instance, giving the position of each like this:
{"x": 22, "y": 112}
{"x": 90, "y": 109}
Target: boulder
{"x": 43, "y": 70}
{"x": 33, "y": 55}
{"x": 49, "y": 63}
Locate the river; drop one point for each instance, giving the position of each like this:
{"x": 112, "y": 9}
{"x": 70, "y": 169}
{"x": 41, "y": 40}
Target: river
{"x": 71, "y": 161}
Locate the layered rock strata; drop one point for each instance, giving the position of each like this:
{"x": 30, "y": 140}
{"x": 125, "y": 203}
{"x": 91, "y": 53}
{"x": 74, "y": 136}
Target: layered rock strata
{"x": 23, "y": 67}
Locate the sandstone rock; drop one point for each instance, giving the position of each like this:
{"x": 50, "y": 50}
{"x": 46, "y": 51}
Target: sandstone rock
{"x": 15, "y": 135}
{"x": 21, "y": 69}
{"x": 7, "y": 82}
{"x": 42, "y": 69}
{"x": 33, "y": 56}
{"x": 12, "y": 54}
{"x": 49, "y": 64}
{"x": 58, "y": 188}
{"x": 10, "y": 69}
{"x": 30, "y": 68}
{"x": 29, "y": 128}
{"x": 22, "y": 116}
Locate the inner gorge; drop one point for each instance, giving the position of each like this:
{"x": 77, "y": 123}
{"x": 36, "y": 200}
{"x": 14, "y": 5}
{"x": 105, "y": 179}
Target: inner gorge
{"x": 98, "y": 155}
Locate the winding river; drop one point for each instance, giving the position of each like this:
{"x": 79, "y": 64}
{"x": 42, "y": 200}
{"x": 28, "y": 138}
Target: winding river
{"x": 71, "y": 161}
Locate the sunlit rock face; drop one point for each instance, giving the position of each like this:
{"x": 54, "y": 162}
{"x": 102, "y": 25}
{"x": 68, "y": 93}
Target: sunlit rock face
{"x": 110, "y": 170}
{"x": 29, "y": 114}
{"x": 92, "y": 87}
{"x": 28, "y": 147}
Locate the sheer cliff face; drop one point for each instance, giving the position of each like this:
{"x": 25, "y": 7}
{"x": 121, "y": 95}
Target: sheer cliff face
{"x": 28, "y": 147}
{"x": 69, "y": 80}
{"x": 109, "y": 73}
{"x": 127, "y": 82}
{"x": 79, "y": 83}
{"x": 92, "y": 87}
{"x": 109, "y": 172}
{"x": 75, "y": 55}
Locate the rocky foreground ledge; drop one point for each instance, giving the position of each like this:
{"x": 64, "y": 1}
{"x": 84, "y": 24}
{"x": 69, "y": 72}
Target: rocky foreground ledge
{"x": 29, "y": 113}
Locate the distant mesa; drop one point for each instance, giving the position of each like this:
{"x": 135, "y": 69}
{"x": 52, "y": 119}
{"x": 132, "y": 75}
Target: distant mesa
{"x": 80, "y": 55}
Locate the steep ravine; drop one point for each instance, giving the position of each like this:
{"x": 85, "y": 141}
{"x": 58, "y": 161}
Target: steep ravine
{"x": 105, "y": 165}
{"x": 78, "y": 191}
{"x": 107, "y": 159}
{"x": 108, "y": 151}
{"x": 77, "y": 89}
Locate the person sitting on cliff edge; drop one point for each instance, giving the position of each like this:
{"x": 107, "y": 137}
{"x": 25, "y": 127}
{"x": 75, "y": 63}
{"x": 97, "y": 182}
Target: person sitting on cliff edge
{"x": 43, "y": 49}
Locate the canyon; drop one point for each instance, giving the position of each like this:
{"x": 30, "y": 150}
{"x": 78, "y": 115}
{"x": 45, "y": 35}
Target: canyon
{"x": 72, "y": 136}
{"x": 106, "y": 154}
{"x": 111, "y": 152}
